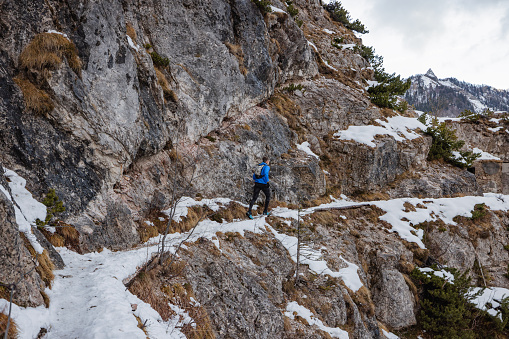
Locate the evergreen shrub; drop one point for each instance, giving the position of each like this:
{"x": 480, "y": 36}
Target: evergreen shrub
{"x": 263, "y": 6}
{"x": 340, "y": 14}
{"x": 446, "y": 143}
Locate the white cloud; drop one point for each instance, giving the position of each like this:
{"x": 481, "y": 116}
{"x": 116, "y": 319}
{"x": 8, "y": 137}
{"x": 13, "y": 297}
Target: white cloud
{"x": 466, "y": 39}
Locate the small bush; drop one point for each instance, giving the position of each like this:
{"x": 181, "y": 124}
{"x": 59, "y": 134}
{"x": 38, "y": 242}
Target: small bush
{"x": 36, "y": 100}
{"x": 158, "y": 60}
{"x": 337, "y": 42}
{"x": 293, "y": 88}
{"x": 263, "y": 6}
{"x": 479, "y": 211}
{"x": 389, "y": 86}
{"x": 445, "y": 143}
{"x": 53, "y": 205}
{"x": 469, "y": 115}
{"x": 291, "y": 8}
{"x": 474, "y": 116}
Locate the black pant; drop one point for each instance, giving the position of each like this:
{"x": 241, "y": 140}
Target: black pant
{"x": 256, "y": 191}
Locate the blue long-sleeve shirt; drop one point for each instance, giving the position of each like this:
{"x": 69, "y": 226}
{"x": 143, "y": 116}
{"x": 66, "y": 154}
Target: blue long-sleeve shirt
{"x": 265, "y": 174}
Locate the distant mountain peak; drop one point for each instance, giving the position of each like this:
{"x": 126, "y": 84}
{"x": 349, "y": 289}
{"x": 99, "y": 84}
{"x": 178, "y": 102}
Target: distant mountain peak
{"x": 431, "y": 75}
{"x": 450, "y": 96}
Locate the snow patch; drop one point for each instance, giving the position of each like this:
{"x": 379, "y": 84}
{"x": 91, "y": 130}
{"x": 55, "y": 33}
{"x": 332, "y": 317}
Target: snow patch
{"x": 484, "y": 155}
{"x": 57, "y": 32}
{"x": 305, "y": 148}
{"x": 489, "y": 300}
{"x": 26, "y": 208}
{"x": 276, "y": 10}
{"x": 313, "y": 45}
{"x": 328, "y": 31}
{"x": 132, "y": 44}
{"x": 495, "y": 130}
{"x": 293, "y": 309}
{"x": 389, "y": 335}
{"x": 447, "y": 276}
{"x": 398, "y": 127}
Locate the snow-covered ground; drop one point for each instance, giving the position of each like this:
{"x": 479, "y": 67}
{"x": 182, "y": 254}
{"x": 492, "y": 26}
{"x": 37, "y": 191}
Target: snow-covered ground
{"x": 89, "y": 298}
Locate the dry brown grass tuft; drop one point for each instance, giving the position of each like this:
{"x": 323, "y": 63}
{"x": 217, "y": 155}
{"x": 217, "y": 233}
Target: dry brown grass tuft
{"x": 287, "y": 108}
{"x": 13, "y": 329}
{"x": 325, "y": 218}
{"x": 64, "y": 235}
{"x": 363, "y": 299}
{"x": 4, "y": 293}
{"x": 169, "y": 95}
{"x": 45, "y": 267}
{"x": 45, "y": 298}
{"x": 129, "y": 29}
{"x": 147, "y": 231}
{"x": 36, "y": 100}
{"x": 409, "y": 207}
{"x": 236, "y": 50}
{"x": 46, "y": 52}
{"x": 231, "y": 212}
{"x": 146, "y": 287}
{"x": 142, "y": 326}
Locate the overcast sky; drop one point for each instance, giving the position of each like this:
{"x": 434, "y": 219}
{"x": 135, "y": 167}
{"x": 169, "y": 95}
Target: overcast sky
{"x": 464, "y": 39}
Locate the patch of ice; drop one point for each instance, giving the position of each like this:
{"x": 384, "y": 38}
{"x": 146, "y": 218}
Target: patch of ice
{"x": 294, "y": 309}
{"x": 348, "y": 46}
{"x": 371, "y": 83}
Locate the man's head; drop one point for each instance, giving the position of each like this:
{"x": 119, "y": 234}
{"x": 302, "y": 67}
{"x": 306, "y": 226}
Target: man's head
{"x": 266, "y": 160}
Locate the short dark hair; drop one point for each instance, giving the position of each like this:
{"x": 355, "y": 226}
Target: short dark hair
{"x": 265, "y": 159}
